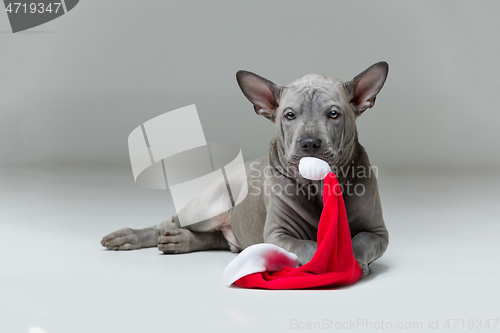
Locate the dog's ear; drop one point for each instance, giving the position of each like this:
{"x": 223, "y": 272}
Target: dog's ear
{"x": 363, "y": 89}
{"x": 262, "y": 93}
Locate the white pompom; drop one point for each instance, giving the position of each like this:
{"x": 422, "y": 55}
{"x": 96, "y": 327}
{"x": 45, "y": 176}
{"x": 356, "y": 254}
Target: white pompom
{"x": 313, "y": 168}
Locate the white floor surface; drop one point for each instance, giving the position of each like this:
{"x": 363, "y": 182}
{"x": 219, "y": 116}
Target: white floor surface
{"x": 442, "y": 262}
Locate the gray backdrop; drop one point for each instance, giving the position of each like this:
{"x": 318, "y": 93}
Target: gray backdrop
{"x": 73, "y": 89}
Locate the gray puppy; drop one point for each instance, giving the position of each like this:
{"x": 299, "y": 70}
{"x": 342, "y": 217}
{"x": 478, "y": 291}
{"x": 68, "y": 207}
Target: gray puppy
{"x": 314, "y": 116}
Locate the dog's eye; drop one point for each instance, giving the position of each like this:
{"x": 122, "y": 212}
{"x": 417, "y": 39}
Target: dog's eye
{"x": 289, "y": 115}
{"x": 333, "y": 114}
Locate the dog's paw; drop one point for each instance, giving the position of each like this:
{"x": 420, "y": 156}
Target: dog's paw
{"x": 365, "y": 270}
{"x": 123, "y": 239}
{"x": 176, "y": 241}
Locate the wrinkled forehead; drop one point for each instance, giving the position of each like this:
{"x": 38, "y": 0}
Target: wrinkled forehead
{"x": 315, "y": 89}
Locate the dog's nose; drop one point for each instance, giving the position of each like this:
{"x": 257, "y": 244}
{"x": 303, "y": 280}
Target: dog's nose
{"x": 310, "y": 144}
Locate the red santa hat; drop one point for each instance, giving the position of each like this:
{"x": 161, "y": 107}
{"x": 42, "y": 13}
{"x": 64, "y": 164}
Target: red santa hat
{"x": 268, "y": 266}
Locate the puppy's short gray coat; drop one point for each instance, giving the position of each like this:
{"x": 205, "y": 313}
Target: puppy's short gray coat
{"x": 314, "y": 116}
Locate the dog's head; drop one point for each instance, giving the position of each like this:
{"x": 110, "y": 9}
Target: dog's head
{"x": 315, "y": 115}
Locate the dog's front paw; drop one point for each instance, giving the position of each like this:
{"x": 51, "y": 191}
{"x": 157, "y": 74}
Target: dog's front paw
{"x": 365, "y": 270}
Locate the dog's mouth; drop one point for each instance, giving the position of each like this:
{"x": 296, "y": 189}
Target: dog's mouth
{"x": 327, "y": 156}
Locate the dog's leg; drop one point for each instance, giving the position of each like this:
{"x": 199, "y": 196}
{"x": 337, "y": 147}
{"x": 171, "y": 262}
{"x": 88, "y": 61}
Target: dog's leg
{"x": 304, "y": 249}
{"x": 369, "y": 233}
{"x": 170, "y": 237}
{"x": 368, "y": 247}
{"x": 212, "y": 233}
{"x": 131, "y": 239}
{"x": 183, "y": 240}
{"x": 200, "y": 236}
